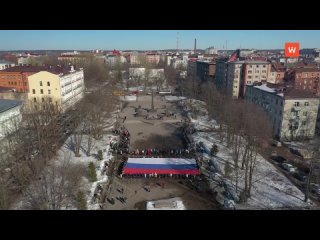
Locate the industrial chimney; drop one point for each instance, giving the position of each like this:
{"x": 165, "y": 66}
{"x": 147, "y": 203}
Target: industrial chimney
{"x": 195, "y": 45}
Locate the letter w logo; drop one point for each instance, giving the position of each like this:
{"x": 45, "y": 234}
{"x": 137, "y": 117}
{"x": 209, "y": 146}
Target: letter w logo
{"x": 292, "y": 50}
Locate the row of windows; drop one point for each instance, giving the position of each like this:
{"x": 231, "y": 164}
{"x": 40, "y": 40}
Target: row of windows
{"x": 310, "y": 75}
{"x": 264, "y": 66}
{"x": 41, "y": 91}
{"x": 297, "y": 104}
{"x": 48, "y": 84}
{"x": 42, "y": 99}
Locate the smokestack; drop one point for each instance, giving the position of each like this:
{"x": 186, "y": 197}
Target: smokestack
{"x": 195, "y": 45}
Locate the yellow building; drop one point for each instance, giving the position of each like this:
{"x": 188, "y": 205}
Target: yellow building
{"x": 63, "y": 88}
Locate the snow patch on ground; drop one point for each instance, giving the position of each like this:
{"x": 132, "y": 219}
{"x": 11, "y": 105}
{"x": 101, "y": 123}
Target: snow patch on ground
{"x": 271, "y": 189}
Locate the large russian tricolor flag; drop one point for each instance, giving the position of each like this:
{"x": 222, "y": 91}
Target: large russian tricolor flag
{"x": 161, "y": 166}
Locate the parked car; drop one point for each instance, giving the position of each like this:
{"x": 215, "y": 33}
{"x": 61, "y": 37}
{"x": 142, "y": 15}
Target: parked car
{"x": 300, "y": 176}
{"x": 315, "y": 188}
{"x": 278, "y": 159}
{"x": 288, "y": 167}
{"x": 295, "y": 151}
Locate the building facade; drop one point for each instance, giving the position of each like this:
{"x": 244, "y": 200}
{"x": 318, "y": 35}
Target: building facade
{"x": 306, "y": 79}
{"x": 5, "y": 64}
{"x": 293, "y": 112}
{"x": 153, "y": 58}
{"x": 17, "y": 77}
{"x": 206, "y": 70}
{"x": 63, "y": 89}
{"x": 10, "y": 116}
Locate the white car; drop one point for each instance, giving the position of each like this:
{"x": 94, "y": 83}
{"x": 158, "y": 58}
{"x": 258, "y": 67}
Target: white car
{"x": 288, "y": 167}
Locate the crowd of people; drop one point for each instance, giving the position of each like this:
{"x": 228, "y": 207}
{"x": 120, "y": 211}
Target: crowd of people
{"x": 121, "y": 147}
{"x": 159, "y": 152}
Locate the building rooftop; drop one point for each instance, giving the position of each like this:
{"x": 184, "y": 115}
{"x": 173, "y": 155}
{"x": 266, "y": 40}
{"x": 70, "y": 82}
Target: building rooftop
{"x": 53, "y": 69}
{"x": 292, "y": 93}
{"x": 6, "y": 104}
{"x": 286, "y": 92}
{"x": 5, "y": 62}
{"x": 300, "y": 70}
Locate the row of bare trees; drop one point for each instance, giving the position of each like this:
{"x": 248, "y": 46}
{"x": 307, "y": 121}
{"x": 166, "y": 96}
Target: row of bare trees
{"x": 244, "y": 128}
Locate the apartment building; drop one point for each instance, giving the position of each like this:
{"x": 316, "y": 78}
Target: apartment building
{"x": 10, "y": 116}
{"x": 306, "y": 79}
{"x": 241, "y": 73}
{"x": 206, "y": 70}
{"x": 5, "y": 64}
{"x": 63, "y": 88}
{"x": 17, "y": 77}
{"x": 293, "y": 112}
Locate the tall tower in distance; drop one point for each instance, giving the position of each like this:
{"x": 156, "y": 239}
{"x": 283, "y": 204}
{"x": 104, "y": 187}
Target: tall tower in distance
{"x": 195, "y": 46}
{"x": 177, "y": 41}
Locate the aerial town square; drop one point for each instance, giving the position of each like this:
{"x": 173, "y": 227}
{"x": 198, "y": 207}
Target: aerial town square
{"x": 190, "y": 120}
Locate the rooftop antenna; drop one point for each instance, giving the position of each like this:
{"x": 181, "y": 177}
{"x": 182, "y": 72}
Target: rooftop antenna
{"x": 177, "y": 41}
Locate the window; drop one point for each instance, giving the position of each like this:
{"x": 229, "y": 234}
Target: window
{"x": 41, "y": 91}
{"x": 306, "y": 75}
{"x": 25, "y": 83}
{"x": 49, "y": 91}
{"x": 304, "y": 87}
{"x": 302, "y": 132}
{"x": 249, "y": 77}
{"x": 15, "y": 83}
{"x": 41, "y": 83}
{"x": 296, "y": 104}
{"x": 48, "y": 84}
{"x": 306, "y": 103}
{"x": 305, "y": 81}
{"x": 280, "y": 112}
{"x": 278, "y": 75}
{"x": 50, "y": 99}
{"x": 42, "y": 99}
{"x": 257, "y": 66}
{"x": 34, "y": 100}
{"x": 250, "y": 71}
{"x": 264, "y": 66}
{"x": 305, "y": 114}
{"x": 33, "y": 91}
{"x": 263, "y": 71}
{"x": 304, "y": 123}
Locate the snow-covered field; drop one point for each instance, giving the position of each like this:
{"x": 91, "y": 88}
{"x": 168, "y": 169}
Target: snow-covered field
{"x": 102, "y": 144}
{"x": 271, "y": 189}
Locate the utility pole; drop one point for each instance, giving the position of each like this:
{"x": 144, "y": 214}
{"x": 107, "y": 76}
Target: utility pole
{"x": 306, "y": 196}
{"x": 152, "y": 106}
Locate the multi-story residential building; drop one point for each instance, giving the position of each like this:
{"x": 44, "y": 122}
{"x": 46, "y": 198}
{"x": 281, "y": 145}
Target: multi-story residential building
{"x": 64, "y": 88}
{"x": 153, "y": 58}
{"x": 241, "y": 73}
{"x": 292, "y": 112}
{"x": 10, "y": 116}
{"x": 221, "y": 73}
{"x": 17, "y": 77}
{"x": 234, "y": 79}
{"x": 277, "y": 73}
{"x": 211, "y": 50}
{"x": 192, "y": 67}
{"x": 24, "y": 59}
{"x": 6, "y": 64}
{"x": 306, "y": 79}
{"x": 134, "y": 58}
{"x": 206, "y": 70}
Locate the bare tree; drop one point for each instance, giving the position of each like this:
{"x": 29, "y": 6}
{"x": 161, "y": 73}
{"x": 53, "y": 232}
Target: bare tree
{"x": 56, "y": 188}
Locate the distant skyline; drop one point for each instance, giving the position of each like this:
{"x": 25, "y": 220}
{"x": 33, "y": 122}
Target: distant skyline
{"x": 153, "y": 39}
